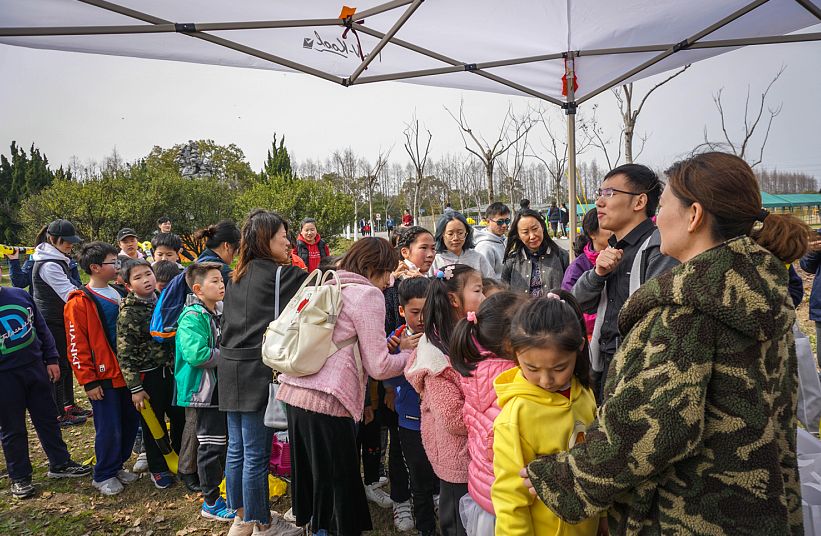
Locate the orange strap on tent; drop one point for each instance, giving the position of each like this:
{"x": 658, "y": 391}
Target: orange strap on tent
{"x": 564, "y": 78}
{"x": 346, "y": 14}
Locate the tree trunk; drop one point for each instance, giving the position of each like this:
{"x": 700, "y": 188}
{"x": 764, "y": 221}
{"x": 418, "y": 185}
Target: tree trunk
{"x": 628, "y": 141}
{"x": 355, "y": 218}
{"x": 489, "y": 176}
{"x": 416, "y": 200}
{"x": 370, "y": 209}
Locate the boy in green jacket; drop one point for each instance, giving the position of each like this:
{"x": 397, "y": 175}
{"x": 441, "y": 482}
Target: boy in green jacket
{"x": 195, "y": 371}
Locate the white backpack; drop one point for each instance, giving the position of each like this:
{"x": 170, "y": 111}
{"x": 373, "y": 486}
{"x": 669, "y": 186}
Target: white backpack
{"x": 300, "y": 340}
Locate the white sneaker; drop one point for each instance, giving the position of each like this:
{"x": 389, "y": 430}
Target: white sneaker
{"x": 381, "y": 482}
{"x": 377, "y": 496}
{"x": 402, "y": 516}
{"x": 289, "y": 516}
{"x": 112, "y": 486}
{"x": 127, "y": 477}
{"x": 240, "y": 528}
{"x": 278, "y": 527}
{"x": 141, "y": 465}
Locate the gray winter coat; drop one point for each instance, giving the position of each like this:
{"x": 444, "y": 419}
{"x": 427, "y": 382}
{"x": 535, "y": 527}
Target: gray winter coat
{"x": 492, "y": 247}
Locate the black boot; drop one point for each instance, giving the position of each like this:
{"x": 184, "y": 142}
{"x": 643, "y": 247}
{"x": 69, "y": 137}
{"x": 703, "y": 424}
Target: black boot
{"x": 192, "y": 481}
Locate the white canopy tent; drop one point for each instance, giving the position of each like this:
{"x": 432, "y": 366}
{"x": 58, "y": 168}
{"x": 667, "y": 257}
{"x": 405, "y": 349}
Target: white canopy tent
{"x": 524, "y": 47}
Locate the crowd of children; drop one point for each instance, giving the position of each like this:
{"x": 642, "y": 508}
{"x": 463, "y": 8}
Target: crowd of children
{"x": 482, "y": 371}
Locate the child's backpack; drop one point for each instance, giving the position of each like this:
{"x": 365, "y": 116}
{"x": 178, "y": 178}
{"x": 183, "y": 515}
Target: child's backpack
{"x": 300, "y": 340}
{"x": 167, "y": 311}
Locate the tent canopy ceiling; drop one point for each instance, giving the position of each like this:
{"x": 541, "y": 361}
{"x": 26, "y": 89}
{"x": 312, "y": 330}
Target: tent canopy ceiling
{"x": 500, "y": 47}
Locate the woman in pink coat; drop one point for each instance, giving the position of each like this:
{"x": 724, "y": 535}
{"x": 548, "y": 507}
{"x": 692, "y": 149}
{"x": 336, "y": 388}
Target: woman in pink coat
{"x": 323, "y": 408}
{"x": 480, "y": 352}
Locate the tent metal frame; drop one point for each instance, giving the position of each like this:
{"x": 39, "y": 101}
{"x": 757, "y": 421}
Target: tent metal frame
{"x": 356, "y": 23}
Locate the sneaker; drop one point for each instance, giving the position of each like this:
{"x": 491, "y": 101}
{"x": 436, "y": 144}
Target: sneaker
{"x": 77, "y": 411}
{"x": 278, "y": 527}
{"x": 289, "y": 516}
{"x": 377, "y": 496}
{"x": 218, "y": 511}
{"x": 141, "y": 465}
{"x": 191, "y": 481}
{"x": 70, "y": 420}
{"x": 127, "y": 477}
{"x": 402, "y": 516}
{"x": 162, "y": 480}
{"x": 240, "y": 528}
{"x": 22, "y": 489}
{"x": 71, "y": 469}
{"x": 111, "y": 486}
{"x": 381, "y": 482}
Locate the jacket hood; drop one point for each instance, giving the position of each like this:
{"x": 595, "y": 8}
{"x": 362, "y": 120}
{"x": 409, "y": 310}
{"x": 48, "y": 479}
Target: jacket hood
{"x": 191, "y": 299}
{"x": 739, "y": 283}
{"x": 484, "y": 235}
{"x": 591, "y": 253}
{"x": 512, "y": 384}
{"x": 46, "y": 251}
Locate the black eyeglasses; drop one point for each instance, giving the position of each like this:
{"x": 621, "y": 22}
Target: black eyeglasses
{"x": 117, "y": 264}
{"x": 608, "y": 192}
{"x": 501, "y": 221}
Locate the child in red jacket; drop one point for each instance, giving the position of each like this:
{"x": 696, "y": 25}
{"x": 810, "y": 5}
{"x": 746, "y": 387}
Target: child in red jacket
{"x": 91, "y": 326}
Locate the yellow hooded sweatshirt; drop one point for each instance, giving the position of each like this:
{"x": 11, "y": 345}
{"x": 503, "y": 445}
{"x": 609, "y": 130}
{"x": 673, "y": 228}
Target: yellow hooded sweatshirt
{"x": 534, "y": 422}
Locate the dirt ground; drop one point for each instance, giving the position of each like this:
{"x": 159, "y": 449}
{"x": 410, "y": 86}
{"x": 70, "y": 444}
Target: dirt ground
{"x": 71, "y": 507}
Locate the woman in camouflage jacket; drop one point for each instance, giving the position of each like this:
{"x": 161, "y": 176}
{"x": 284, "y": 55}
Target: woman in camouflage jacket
{"x": 699, "y": 429}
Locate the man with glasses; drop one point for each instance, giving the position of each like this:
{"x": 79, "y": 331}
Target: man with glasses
{"x": 626, "y": 202}
{"x": 490, "y": 241}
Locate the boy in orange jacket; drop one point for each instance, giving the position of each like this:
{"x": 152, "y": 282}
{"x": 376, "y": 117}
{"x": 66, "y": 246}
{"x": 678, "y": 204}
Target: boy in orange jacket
{"x": 91, "y": 325}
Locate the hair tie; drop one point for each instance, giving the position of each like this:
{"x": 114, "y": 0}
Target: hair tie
{"x": 554, "y": 296}
{"x": 471, "y": 317}
{"x": 762, "y": 215}
{"x": 440, "y": 274}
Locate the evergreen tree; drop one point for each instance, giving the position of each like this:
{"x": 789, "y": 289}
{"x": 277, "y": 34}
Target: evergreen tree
{"x": 278, "y": 163}
{"x": 20, "y": 177}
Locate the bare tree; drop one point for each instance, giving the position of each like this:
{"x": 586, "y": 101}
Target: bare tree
{"x": 514, "y": 159}
{"x": 553, "y": 151}
{"x": 625, "y": 97}
{"x": 371, "y": 173}
{"x": 414, "y": 143}
{"x": 742, "y": 148}
{"x": 486, "y": 152}
{"x": 345, "y": 165}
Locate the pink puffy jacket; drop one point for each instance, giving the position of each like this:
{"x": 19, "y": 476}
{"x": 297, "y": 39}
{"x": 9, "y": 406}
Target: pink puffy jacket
{"x": 444, "y": 435}
{"x": 479, "y": 413}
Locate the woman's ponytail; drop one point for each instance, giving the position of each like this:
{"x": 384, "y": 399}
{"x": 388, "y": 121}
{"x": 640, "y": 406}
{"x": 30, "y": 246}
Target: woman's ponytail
{"x": 783, "y": 235}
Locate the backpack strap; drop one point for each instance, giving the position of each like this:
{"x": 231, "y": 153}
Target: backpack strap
{"x": 356, "y": 354}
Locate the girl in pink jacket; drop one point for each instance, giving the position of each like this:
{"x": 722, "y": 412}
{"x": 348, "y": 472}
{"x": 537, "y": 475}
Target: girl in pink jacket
{"x": 455, "y": 290}
{"x": 480, "y": 351}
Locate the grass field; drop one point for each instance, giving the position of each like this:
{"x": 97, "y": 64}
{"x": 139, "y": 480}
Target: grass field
{"x": 72, "y": 507}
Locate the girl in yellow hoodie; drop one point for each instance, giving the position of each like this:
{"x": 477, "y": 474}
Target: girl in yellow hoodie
{"x": 546, "y": 407}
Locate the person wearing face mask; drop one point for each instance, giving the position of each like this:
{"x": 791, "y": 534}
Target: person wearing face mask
{"x": 534, "y": 263}
{"x": 51, "y": 284}
{"x": 490, "y": 241}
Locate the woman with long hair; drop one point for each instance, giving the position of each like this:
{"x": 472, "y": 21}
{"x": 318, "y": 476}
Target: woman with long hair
{"x": 222, "y": 242}
{"x": 698, "y": 429}
{"x": 533, "y": 263}
{"x": 243, "y": 379}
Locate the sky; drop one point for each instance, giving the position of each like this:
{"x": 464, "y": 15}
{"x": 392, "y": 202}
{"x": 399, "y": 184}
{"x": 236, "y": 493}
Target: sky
{"x": 85, "y": 105}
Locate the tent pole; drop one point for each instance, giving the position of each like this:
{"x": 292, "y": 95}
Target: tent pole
{"x": 570, "y": 72}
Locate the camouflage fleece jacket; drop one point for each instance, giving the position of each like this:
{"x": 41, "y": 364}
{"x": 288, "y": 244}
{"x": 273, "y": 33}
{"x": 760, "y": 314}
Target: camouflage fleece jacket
{"x": 136, "y": 349}
{"x": 698, "y": 432}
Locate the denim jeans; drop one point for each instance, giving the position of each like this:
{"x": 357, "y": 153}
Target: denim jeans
{"x": 246, "y": 464}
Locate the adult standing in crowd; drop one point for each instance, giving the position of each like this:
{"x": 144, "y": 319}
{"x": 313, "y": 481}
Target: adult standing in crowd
{"x": 533, "y": 262}
{"x": 490, "y": 241}
{"x": 625, "y": 204}
{"x": 310, "y": 246}
{"x": 243, "y": 379}
{"x": 454, "y": 245}
{"x": 222, "y": 241}
{"x": 564, "y": 219}
{"x": 554, "y": 216}
{"x": 812, "y": 263}
{"x": 324, "y": 408}
{"x": 390, "y": 224}
{"x": 699, "y": 428}
{"x": 51, "y": 284}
